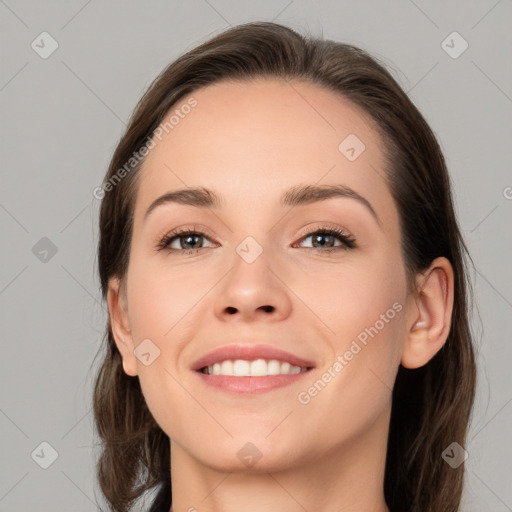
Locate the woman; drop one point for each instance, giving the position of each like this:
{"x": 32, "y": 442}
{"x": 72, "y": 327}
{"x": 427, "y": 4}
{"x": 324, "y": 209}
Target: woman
{"x": 287, "y": 289}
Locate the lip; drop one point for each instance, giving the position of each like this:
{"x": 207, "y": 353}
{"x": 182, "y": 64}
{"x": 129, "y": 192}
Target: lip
{"x": 250, "y": 385}
{"x": 250, "y": 353}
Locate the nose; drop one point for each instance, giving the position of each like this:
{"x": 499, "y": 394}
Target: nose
{"x": 253, "y": 291}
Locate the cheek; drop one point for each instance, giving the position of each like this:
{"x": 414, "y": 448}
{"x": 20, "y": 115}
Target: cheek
{"x": 356, "y": 385}
{"x": 353, "y": 295}
{"x": 160, "y": 296}
{"x": 158, "y": 301}
{"x": 363, "y": 307}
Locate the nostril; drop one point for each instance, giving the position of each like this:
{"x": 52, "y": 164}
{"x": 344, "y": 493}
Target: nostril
{"x": 231, "y": 310}
{"x": 268, "y": 309}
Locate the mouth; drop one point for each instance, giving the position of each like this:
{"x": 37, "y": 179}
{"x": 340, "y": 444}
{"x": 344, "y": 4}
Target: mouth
{"x": 250, "y": 368}
{"x": 255, "y": 368}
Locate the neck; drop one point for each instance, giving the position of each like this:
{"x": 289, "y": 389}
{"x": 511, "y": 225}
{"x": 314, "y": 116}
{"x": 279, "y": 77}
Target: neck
{"x": 349, "y": 477}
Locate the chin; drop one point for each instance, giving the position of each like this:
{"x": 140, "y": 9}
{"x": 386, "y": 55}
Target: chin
{"x": 246, "y": 454}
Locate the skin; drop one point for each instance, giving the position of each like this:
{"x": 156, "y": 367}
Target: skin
{"x": 250, "y": 142}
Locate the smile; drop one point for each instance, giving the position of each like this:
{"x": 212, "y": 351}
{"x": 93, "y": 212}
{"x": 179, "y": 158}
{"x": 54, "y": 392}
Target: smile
{"x": 244, "y": 368}
{"x": 256, "y": 368}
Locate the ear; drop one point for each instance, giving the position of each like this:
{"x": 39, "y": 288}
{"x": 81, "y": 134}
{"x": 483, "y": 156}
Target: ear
{"x": 429, "y": 323}
{"x": 120, "y": 325}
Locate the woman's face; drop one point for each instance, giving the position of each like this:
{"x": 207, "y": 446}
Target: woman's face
{"x": 258, "y": 272}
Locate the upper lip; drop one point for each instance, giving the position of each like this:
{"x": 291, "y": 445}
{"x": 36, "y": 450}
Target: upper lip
{"x": 249, "y": 353}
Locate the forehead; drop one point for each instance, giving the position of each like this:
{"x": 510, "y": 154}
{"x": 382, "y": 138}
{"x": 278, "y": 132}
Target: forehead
{"x": 252, "y": 140}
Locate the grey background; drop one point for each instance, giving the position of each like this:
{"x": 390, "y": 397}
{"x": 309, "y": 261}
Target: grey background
{"x": 61, "y": 119}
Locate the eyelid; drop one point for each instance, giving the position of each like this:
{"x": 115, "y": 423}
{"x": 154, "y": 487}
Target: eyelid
{"x": 347, "y": 241}
{"x": 163, "y": 240}
{"x": 325, "y": 226}
{"x": 180, "y": 230}
{"x": 344, "y": 236}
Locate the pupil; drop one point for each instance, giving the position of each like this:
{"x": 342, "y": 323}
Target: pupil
{"x": 188, "y": 239}
{"x": 319, "y": 237}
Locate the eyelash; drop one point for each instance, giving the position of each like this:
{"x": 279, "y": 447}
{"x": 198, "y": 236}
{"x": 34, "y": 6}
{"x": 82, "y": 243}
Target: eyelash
{"x": 347, "y": 241}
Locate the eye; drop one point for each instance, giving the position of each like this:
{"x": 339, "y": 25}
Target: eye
{"x": 190, "y": 241}
{"x": 324, "y": 239}
{"x": 184, "y": 240}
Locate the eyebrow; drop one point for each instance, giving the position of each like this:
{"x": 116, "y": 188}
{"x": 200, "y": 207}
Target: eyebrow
{"x": 298, "y": 195}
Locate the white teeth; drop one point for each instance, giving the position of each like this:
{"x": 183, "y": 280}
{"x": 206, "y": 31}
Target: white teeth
{"x": 285, "y": 367}
{"x": 225, "y": 368}
{"x": 241, "y": 368}
{"x": 273, "y": 367}
{"x": 256, "y": 368}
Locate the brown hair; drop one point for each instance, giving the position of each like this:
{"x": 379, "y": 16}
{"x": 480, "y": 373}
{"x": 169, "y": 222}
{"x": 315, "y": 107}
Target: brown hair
{"x": 431, "y": 405}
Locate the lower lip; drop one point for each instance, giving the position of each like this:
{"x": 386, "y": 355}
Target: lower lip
{"x": 250, "y": 385}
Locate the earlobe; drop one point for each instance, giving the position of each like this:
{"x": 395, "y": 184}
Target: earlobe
{"x": 120, "y": 325}
{"x": 429, "y": 326}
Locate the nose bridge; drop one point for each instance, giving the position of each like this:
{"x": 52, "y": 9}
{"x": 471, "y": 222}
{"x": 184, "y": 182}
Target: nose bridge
{"x": 251, "y": 289}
